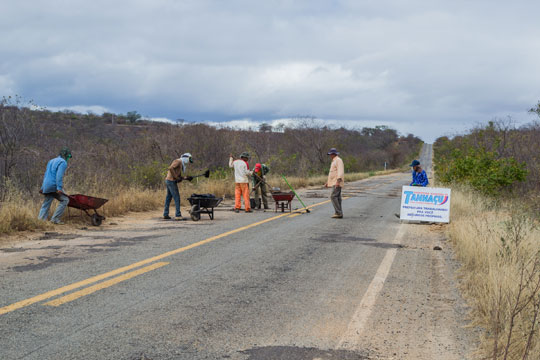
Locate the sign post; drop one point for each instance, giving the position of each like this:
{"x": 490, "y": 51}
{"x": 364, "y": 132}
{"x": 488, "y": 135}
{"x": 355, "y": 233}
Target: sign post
{"x": 425, "y": 204}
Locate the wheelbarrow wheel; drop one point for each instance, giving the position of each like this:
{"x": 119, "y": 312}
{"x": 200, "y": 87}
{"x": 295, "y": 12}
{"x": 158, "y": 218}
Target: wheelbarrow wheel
{"x": 96, "y": 219}
{"x": 195, "y": 214}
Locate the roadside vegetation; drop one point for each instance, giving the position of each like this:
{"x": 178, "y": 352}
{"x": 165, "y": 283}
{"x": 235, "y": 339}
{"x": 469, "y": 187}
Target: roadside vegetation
{"x": 494, "y": 174}
{"x": 124, "y": 157}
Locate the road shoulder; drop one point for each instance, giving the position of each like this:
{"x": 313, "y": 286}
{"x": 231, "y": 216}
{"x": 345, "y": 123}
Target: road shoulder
{"x": 420, "y": 313}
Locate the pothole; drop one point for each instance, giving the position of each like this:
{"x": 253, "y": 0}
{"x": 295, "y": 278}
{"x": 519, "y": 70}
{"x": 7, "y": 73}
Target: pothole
{"x": 12, "y": 250}
{"x": 333, "y": 238}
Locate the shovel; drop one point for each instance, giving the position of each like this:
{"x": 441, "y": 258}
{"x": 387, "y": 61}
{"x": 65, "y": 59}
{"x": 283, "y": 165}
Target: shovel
{"x": 260, "y": 181}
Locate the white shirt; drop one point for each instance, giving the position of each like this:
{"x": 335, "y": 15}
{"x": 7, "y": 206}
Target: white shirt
{"x": 241, "y": 171}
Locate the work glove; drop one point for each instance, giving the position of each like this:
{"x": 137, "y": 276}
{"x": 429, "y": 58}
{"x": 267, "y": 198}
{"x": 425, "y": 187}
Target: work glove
{"x": 189, "y": 178}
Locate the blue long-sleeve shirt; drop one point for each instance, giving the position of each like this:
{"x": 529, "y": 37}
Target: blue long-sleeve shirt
{"x": 419, "y": 178}
{"x": 54, "y": 175}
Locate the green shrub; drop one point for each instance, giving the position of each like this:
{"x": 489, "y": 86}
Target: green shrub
{"x": 483, "y": 170}
{"x": 150, "y": 175}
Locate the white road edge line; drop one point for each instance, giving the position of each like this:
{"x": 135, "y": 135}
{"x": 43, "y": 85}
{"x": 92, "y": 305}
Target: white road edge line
{"x": 354, "y": 331}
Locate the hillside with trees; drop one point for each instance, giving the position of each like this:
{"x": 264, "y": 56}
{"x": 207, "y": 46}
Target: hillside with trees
{"x": 499, "y": 160}
{"x": 115, "y": 151}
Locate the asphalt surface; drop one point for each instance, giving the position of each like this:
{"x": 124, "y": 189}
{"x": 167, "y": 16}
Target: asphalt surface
{"x": 250, "y": 286}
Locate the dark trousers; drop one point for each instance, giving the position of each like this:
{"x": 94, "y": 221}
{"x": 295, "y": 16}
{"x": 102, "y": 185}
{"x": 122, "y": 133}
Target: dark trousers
{"x": 260, "y": 192}
{"x": 336, "y": 199}
{"x": 172, "y": 193}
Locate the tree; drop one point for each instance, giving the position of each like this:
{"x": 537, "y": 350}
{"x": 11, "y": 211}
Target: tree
{"x": 314, "y": 138}
{"x": 535, "y": 110}
{"x": 265, "y": 127}
{"x": 133, "y": 116}
{"x": 15, "y": 117}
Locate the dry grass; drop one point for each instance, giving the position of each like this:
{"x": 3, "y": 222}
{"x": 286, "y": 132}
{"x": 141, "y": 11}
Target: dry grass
{"x": 498, "y": 245}
{"x": 17, "y": 215}
{"x": 20, "y": 216}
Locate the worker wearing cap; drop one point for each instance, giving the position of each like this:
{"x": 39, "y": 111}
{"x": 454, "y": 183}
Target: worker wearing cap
{"x": 53, "y": 187}
{"x": 336, "y": 180}
{"x": 174, "y": 176}
{"x": 259, "y": 184}
{"x": 419, "y": 176}
{"x": 241, "y": 179}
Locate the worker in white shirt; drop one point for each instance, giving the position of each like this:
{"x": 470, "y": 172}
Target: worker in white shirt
{"x": 241, "y": 179}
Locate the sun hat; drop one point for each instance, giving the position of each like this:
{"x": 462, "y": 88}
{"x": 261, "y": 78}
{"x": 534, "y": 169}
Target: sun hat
{"x": 333, "y": 151}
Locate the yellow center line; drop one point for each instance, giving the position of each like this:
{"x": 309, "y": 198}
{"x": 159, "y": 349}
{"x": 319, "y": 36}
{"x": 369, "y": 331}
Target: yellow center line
{"x": 105, "y": 284}
{"x": 93, "y": 279}
{"x": 295, "y": 215}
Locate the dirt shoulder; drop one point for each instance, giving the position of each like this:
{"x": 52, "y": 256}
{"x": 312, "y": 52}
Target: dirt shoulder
{"x": 420, "y": 312}
{"x": 73, "y": 240}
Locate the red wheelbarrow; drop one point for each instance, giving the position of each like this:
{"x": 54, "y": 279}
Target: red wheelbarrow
{"x": 283, "y": 200}
{"x": 87, "y": 203}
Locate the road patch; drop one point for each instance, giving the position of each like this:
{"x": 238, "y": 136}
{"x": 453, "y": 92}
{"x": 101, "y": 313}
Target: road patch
{"x": 294, "y": 352}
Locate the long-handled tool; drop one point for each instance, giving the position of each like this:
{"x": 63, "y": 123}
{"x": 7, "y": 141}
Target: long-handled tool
{"x": 260, "y": 181}
{"x": 298, "y": 197}
{"x": 206, "y": 174}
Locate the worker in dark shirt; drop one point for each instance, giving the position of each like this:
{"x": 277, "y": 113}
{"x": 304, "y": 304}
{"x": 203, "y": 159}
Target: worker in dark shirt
{"x": 419, "y": 176}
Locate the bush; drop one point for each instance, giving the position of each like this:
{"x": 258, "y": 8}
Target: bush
{"x": 483, "y": 170}
{"x": 149, "y": 175}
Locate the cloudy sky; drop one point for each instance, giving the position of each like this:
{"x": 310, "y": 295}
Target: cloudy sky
{"x": 424, "y": 67}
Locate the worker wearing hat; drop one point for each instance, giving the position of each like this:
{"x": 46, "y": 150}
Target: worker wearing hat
{"x": 53, "y": 187}
{"x": 241, "y": 180}
{"x": 336, "y": 180}
{"x": 259, "y": 185}
{"x": 175, "y": 174}
{"x": 419, "y": 176}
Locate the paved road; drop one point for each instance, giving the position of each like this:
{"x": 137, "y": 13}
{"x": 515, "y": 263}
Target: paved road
{"x": 245, "y": 286}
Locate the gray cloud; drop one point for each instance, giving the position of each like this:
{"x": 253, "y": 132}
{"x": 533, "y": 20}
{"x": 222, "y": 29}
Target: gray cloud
{"x": 427, "y": 67}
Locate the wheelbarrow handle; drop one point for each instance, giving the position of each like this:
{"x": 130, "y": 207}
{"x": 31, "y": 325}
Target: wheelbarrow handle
{"x": 56, "y": 192}
{"x": 295, "y": 194}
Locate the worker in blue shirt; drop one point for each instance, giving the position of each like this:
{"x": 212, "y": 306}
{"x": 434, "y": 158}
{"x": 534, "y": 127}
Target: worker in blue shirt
{"x": 419, "y": 176}
{"x": 53, "y": 187}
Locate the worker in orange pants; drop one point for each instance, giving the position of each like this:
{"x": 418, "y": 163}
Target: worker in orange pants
{"x": 241, "y": 179}
{"x": 241, "y": 190}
